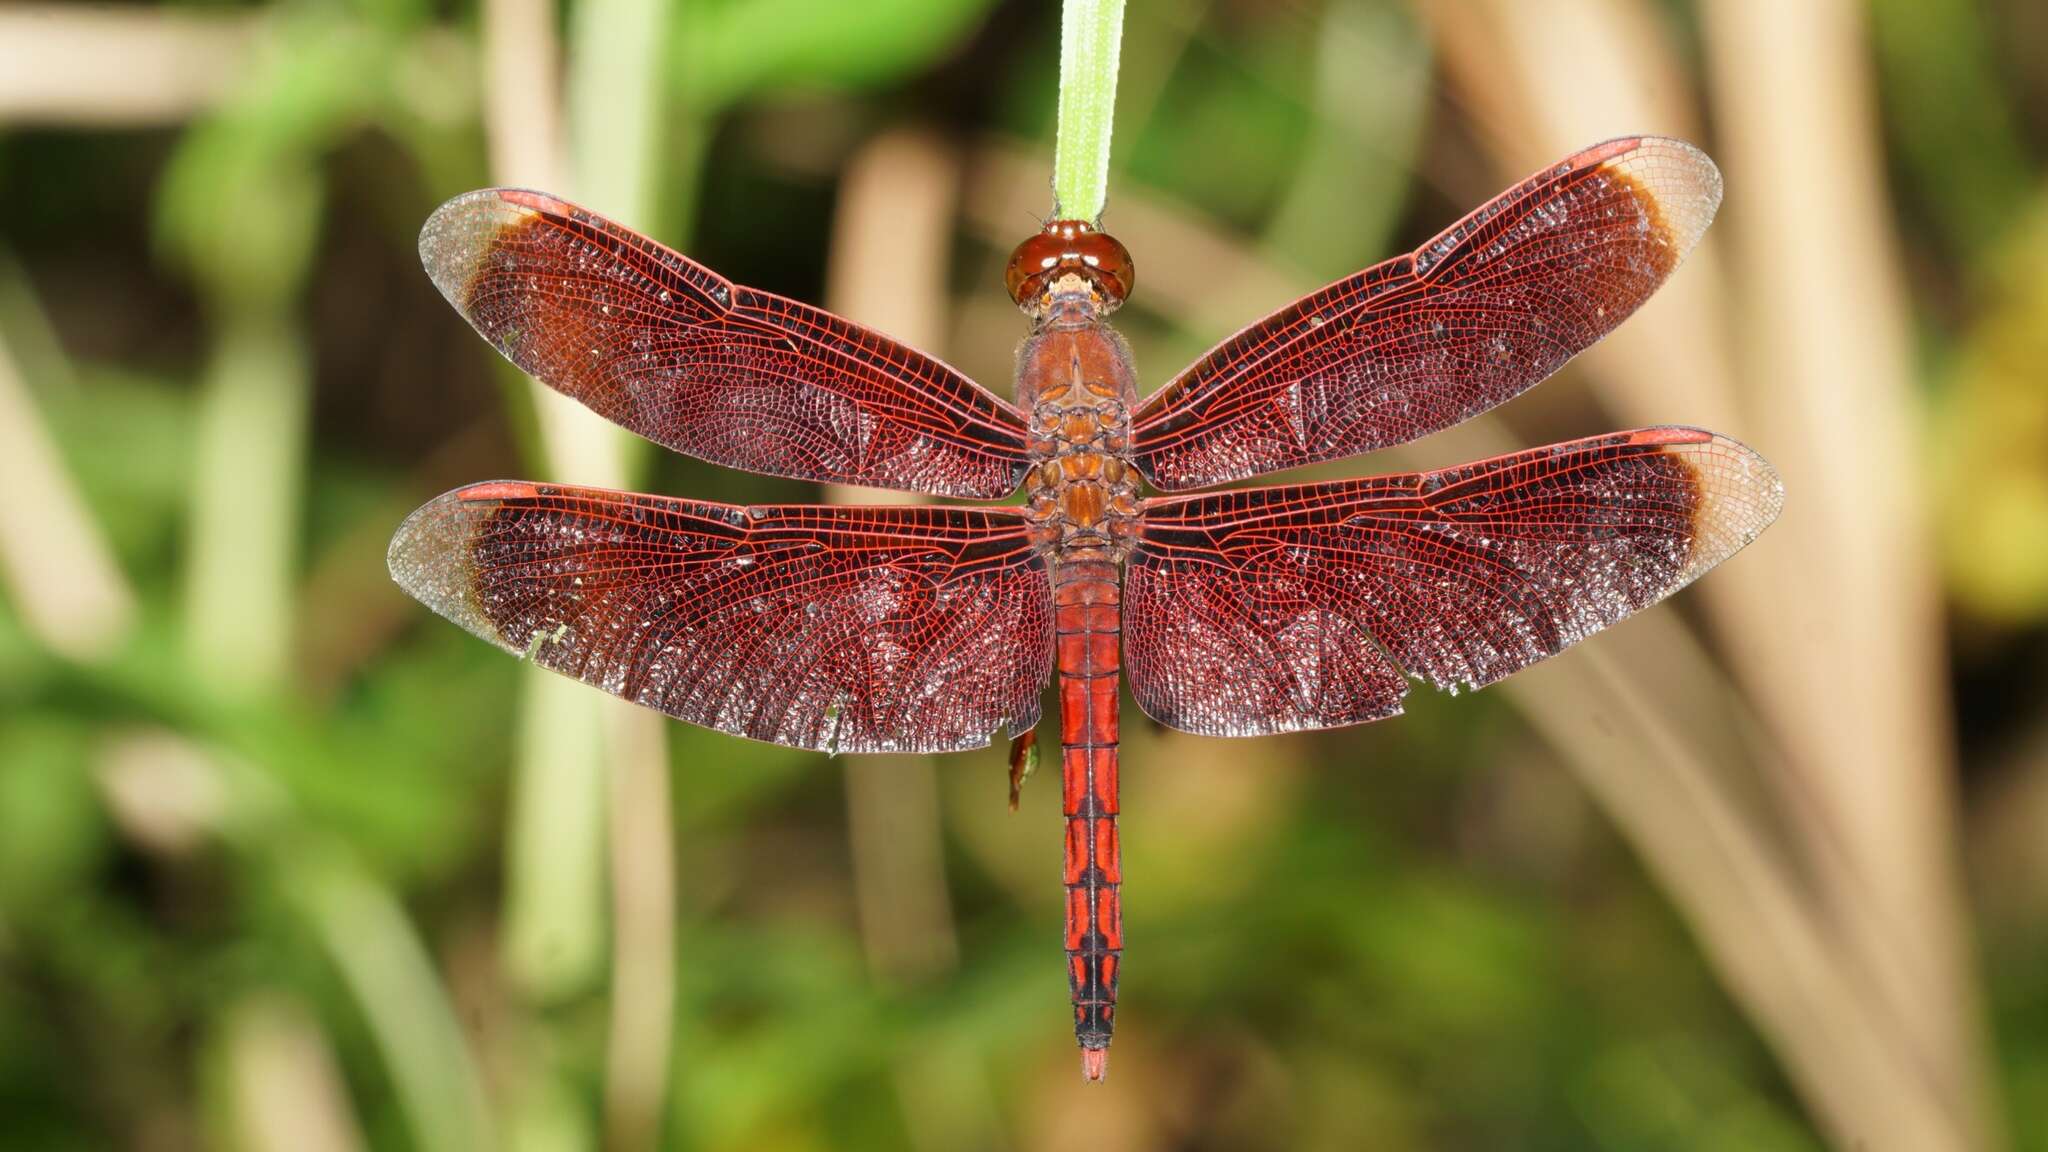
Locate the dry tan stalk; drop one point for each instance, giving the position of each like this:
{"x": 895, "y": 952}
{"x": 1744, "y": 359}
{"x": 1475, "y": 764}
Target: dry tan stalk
{"x": 637, "y": 1052}
{"x": 530, "y": 146}
{"x": 289, "y": 1095}
{"x": 892, "y": 239}
{"x": 119, "y": 67}
{"x": 1581, "y": 69}
{"x": 1825, "y": 319}
{"x": 59, "y": 573}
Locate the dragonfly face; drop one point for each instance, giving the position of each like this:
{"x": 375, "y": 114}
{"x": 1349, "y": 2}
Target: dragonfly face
{"x": 1234, "y": 613}
{"x": 1072, "y": 263}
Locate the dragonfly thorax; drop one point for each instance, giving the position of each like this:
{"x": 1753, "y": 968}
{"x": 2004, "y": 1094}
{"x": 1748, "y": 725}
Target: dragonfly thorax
{"x": 1077, "y": 382}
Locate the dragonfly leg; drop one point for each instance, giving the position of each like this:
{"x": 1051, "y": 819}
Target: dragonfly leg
{"x": 1023, "y": 761}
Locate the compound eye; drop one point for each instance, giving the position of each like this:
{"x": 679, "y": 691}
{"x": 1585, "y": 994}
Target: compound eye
{"x": 1110, "y": 262}
{"x": 1069, "y": 246}
{"x": 1031, "y": 265}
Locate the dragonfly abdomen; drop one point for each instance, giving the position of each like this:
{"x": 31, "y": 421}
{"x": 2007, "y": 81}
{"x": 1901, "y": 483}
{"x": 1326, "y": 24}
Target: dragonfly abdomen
{"x": 1086, "y": 605}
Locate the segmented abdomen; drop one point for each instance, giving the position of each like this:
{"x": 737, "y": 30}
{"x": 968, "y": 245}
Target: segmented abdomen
{"x": 1086, "y": 619}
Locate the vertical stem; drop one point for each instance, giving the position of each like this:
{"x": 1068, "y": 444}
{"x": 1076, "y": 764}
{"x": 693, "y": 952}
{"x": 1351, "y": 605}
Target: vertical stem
{"x": 554, "y": 842}
{"x": 577, "y": 742}
{"x": 287, "y": 1090}
{"x": 890, "y": 245}
{"x": 1091, "y": 32}
{"x": 1864, "y": 706}
{"x": 1866, "y": 998}
{"x": 615, "y": 53}
{"x": 643, "y": 931}
{"x": 889, "y": 259}
{"x": 252, "y": 435}
{"x": 552, "y": 936}
{"x": 522, "y": 99}
{"x": 391, "y": 975}
{"x": 614, "y": 102}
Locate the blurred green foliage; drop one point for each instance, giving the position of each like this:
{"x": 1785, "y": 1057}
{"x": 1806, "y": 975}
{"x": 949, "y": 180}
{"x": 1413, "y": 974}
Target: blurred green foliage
{"x": 1409, "y": 936}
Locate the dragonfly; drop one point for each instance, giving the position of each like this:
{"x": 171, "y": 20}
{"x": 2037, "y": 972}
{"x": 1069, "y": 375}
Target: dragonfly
{"x": 1234, "y": 612}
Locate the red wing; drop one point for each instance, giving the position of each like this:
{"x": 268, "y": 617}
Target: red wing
{"x": 1490, "y": 307}
{"x": 1277, "y": 609}
{"x": 897, "y": 629}
{"x": 667, "y": 348}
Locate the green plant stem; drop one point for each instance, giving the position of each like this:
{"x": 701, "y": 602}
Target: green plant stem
{"x": 245, "y": 506}
{"x": 389, "y": 971}
{"x": 1091, "y": 32}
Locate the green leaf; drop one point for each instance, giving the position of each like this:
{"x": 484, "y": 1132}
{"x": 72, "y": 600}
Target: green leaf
{"x": 1091, "y": 35}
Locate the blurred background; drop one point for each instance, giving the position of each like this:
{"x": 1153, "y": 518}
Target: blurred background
{"x": 287, "y": 863}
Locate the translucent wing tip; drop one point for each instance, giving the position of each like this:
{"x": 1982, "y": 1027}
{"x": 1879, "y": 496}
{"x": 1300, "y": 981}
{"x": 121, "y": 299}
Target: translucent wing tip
{"x": 461, "y": 232}
{"x": 432, "y": 553}
{"x": 1739, "y": 493}
{"x": 1677, "y": 183}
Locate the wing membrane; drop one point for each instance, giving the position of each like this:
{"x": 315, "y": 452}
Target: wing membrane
{"x": 896, "y": 629}
{"x": 1277, "y": 609}
{"x": 665, "y": 347}
{"x": 1490, "y": 307}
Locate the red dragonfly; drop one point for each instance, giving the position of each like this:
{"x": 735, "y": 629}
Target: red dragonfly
{"x": 1234, "y": 613}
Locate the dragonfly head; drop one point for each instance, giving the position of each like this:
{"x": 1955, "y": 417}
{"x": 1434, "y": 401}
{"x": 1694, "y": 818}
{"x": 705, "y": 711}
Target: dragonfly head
{"x": 1069, "y": 257}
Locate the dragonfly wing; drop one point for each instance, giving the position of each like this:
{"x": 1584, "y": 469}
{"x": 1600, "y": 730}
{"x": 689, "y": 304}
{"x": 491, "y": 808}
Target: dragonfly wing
{"x": 847, "y": 629}
{"x": 1278, "y": 609}
{"x": 667, "y": 348}
{"x": 1490, "y": 307}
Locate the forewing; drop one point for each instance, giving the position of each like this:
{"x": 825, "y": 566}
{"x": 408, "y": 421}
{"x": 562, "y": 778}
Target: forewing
{"x": 895, "y": 629}
{"x": 665, "y": 347}
{"x": 1490, "y": 307}
{"x": 1277, "y": 609}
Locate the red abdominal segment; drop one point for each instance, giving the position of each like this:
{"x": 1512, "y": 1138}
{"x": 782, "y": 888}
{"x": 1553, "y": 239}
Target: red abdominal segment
{"x": 1085, "y": 622}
